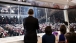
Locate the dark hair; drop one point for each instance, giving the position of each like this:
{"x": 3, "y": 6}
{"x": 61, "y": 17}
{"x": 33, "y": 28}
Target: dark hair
{"x": 48, "y": 30}
{"x": 72, "y": 29}
{"x": 30, "y": 12}
{"x": 66, "y": 23}
{"x": 71, "y": 38}
{"x": 63, "y": 29}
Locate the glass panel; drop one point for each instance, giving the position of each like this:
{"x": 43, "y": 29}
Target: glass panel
{"x": 4, "y": 9}
{"x": 41, "y": 15}
{"x": 72, "y": 18}
{"x": 14, "y": 9}
{"x": 72, "y": 15}
{"x": 9, "y": 21}
{"x": 56, "y": 18}
{"x": 24, "y": 10}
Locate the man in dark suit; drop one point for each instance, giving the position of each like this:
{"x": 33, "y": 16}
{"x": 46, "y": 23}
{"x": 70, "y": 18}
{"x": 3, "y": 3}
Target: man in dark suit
{"x": 30, "y": 25}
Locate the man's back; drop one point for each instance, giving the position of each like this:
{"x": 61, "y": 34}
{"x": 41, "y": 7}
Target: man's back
{"x": 30, "y": 22}
{"x": 30, "y": 26}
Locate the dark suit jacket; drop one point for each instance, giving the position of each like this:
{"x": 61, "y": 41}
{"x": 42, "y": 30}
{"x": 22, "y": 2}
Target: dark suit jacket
{"x": 30, "y": 25}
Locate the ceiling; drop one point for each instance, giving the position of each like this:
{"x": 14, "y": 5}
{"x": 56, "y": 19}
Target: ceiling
{"x": 55, "y": 3}
{"x": 47, "y": 3}
{"x": 69, "y": 2}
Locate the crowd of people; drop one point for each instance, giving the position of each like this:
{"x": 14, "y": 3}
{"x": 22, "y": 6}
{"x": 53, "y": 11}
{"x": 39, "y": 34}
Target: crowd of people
{"x": 9, "y": 20}
{"x": 56, "y": 26}
{"x": 8, "y": 30}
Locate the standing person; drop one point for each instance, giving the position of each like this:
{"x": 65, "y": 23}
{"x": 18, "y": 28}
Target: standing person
{"x": 62, "y": 35}
{"x": 30, "y": 25}
{"x": 48, "y": 37}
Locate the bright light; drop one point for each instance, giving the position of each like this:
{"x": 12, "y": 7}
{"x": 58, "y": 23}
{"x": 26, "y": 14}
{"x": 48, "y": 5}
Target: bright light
{"x": 18, "y": 16}
{"x": 12, "y": 11}
{"x": 2, "y": 16}
{"x": 8, "y": 6}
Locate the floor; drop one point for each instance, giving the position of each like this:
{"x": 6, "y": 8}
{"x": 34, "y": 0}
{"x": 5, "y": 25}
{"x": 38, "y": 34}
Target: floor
{"x": 17, "y": 42}
{"x": 39, "y": 41}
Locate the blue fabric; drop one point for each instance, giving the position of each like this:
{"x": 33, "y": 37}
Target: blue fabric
{"x": 48, "y": 38}
{"x": 61, "y": 37}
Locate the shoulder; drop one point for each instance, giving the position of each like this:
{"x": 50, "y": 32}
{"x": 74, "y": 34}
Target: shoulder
{"x": 44, "y": 35}
{"x": 62, "y": 36}
{"x": 25, "y": 18}
{"x": 36, "y": 18}
{"x": 53, "y": 35}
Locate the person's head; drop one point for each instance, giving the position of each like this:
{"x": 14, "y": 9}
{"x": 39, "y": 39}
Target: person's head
{"x": 71, "y": 38}
{"x": 48, "y": 30}
{"x": 63, "y": 29}
{"x": 30, "y": 12}
{"x": 71, "y": 29}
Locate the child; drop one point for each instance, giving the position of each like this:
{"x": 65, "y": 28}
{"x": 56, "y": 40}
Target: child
{"x": 62, "y": 35}
{"x": 48, "y": 37}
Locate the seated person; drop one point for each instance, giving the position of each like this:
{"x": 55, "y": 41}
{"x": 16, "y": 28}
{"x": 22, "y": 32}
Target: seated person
{"x": 71, "y": 38}
{"x": 48, "y": 37}
{"x": 61, "y": 36}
